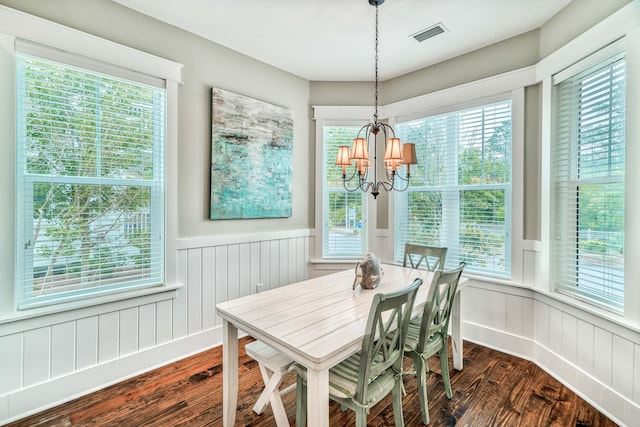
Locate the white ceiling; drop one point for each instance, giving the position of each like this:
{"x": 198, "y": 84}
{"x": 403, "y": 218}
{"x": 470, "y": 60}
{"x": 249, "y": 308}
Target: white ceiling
{"x": 333, "y": 40}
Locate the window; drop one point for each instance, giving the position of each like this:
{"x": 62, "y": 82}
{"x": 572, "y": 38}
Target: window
{"x": 460, "y": 192}
{"x": 588, "y": 183}
{"x": 90, "y": 178}
{"x": 344, "y": 213}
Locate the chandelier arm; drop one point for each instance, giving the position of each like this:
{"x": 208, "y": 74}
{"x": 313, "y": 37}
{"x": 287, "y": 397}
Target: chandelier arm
{"x": 406, "y": 186}
{"x": 385, "y": 127}
{"x": 368, "y": 185}
{"x": 390, "y": 175}
{"x": 351, "y": 190}
{"x": 366, "y": 129}
{"x": 393, "y": 175}
{"x": 361, "y": 179}
{"x": 391, "y": 185}
{"x": 386, "y": 185}
{"x": 353, "y": 175}
{"x": 403, "y": 178}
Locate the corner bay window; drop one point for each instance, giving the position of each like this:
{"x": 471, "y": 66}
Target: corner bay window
{"x": 90, "y": 178}
{"x": 460, "y": 191}
{"x": 588, "y": 173}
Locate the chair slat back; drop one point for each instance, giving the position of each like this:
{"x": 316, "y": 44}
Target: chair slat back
{"x": 433, "y": 257}
{"x": 383, "y": 343}
{"x": 437, "y": 309}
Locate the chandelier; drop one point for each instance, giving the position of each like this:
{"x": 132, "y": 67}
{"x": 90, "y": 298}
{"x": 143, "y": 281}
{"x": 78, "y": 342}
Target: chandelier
{"x": 396, "y": 154}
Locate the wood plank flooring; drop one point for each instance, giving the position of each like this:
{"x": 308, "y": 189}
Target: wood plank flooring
{"x": 493, "y": 389}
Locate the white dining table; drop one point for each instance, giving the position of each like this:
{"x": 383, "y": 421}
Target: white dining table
{"x": 318, "y": 323}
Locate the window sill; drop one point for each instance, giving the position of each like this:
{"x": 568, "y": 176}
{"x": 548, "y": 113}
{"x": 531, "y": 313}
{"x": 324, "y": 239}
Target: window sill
{"x": 593, "y": 310}
{"x": 573, "y": 306}
{"x": 42, "y": 316}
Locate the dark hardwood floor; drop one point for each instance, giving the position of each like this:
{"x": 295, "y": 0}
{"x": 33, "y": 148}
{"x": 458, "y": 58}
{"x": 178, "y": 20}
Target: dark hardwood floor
{"x": 493, "y": 389}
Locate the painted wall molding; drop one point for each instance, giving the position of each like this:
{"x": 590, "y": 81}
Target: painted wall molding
{"x": 230, "y": 239}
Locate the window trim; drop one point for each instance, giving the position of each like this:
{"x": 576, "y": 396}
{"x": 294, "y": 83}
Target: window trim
{"x": 337, "y": 116}
{"x": 20, "y": 25}
{"x": 603, "y": 57}
{"x": 509, "y": 85}
{"x": 90, "y": 71}
{"x": 516, "y": 96}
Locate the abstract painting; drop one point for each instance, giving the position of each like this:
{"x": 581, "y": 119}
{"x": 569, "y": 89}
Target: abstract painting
{"x": 251, "y": 157}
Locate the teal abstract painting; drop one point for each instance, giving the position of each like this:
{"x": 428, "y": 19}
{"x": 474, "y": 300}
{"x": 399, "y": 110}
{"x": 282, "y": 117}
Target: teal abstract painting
{"x": 251, "y": 157}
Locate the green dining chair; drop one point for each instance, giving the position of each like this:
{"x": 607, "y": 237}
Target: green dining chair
{"x": 432, "y": 256}
{"x": 363, "y": 379}
{"x": 427, "y": 335}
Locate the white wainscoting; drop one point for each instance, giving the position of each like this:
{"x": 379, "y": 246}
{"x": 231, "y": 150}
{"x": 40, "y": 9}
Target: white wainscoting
{"x": 51, "y": 359}
{"x": 595, "y": 357}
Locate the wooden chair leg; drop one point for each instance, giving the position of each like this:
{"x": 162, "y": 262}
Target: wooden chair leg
{"x": 444, "y": 366}
{"x": 361, "y": 417}
{"x": 301, "y": 402}
{"x": 273, "y": 367}
{"x": 396, "y": 394}
{"x": 278, "y": 411}
{"x": 421, "y": 376}
{"x": 271, "y": 394}
{"x": 271, "y": 383}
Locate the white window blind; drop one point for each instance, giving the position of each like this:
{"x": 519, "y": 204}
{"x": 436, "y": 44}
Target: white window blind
{"x": 345, "y": 225}
{"x": 589, "y": 172}
{"x": 90, "y": 182}
{"x": 460, "y": 192}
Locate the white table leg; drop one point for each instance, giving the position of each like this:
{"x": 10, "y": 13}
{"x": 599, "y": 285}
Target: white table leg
{"x": 229, "y": 373}
{"x": 318, "y": 398}
{"x": 456, "y": 331}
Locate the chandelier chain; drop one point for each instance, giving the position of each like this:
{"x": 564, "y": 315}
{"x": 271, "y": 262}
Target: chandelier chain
{"x": 375, "y": 115}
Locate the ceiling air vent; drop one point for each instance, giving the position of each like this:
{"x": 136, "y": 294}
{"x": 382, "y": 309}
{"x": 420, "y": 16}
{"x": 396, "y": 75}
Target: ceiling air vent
{"x": 429, "y": 32}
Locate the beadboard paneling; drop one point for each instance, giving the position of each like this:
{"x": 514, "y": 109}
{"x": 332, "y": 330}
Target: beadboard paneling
{"x": 636, "y": 376}
{"x": 147, "y": 326}
{"x": 128, "y": 331}
{"x": 86, "y": 342}
{"x": 11, "y": 358}
{"x": 108, "y": 336}
{"x": 585, "y": 344}
{"x": 36, "y": 356}
{"x": 163, "y": 322}
{"x": 603, "y": 356}
{"x": 62, "y": 349}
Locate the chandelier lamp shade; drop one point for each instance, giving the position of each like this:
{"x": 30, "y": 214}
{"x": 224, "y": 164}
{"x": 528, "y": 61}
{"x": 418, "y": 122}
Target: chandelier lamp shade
{"x": 396, "y": 154}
